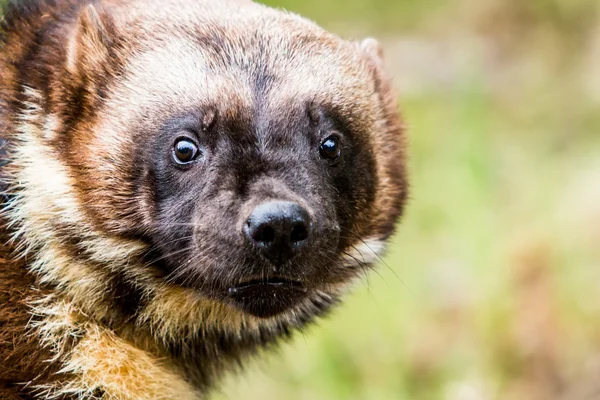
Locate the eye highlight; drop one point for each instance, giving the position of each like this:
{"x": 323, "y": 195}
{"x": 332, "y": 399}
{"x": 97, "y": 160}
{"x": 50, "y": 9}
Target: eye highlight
{"x": 185, "y": 151}
{"x": 330, "y": 149}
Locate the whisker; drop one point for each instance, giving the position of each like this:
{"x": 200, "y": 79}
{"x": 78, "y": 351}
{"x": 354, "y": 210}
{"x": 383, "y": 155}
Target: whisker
{"x": 380, "y": 259}
{"x": 364, "y": 269}
{"x": 154, "y": 247}
{"x": 164, "y": 256}
{"x": 177, "y": 224}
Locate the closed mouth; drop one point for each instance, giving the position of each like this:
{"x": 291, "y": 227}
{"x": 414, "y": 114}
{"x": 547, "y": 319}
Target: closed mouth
{"x": 281, "y": 283}
{"x": 265, "y": 298}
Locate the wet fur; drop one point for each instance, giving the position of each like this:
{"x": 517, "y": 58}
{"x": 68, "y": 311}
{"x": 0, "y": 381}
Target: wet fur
{"x": 90, "y": 307}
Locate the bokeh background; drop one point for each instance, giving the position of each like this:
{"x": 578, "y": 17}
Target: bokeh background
{"x": 491, "y": 288}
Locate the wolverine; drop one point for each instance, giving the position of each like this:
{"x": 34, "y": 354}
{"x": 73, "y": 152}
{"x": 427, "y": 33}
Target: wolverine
{"x": 184, "y": 184}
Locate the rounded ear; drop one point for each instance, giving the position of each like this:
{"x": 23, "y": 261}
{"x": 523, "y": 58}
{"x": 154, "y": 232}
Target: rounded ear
{"x": 373, "y": 50}
{"x": 373, "y": 53}
{"x": 90, "y": 42}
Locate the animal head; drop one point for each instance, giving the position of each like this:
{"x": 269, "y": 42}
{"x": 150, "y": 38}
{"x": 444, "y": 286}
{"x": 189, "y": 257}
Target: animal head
{"x": 237, "y": 154}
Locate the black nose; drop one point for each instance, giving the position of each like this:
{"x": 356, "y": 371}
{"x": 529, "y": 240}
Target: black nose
{"x": 279, "y": 229}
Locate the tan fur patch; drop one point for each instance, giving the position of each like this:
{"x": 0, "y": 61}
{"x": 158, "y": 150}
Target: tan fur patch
{"x": 104, "y": 361}
{"x": 101, "y": 362}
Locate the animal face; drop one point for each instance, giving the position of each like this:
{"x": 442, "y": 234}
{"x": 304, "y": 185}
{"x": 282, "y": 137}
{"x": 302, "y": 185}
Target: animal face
{"x": 257, "y": 210}
{"x": 251, "y": 185}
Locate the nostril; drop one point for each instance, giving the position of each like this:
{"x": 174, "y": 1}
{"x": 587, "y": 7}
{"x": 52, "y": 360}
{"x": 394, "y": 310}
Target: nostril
{"x": 262, "y": 233}
{"x": 299, "y": 233}
{"x": 266, "y": 234}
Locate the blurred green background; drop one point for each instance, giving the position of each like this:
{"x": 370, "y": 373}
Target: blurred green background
{"x": 492, "y": 284}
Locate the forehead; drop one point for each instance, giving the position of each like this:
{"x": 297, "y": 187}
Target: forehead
{"x": 236, "y": 69}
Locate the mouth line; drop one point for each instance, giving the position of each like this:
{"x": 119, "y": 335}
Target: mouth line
{"x": 273, "y": 282}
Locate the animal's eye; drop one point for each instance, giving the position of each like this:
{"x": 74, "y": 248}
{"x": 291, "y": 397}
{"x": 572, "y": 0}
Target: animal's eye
{"x": 330, "y": 148}
{"x": 185, "y": 151}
